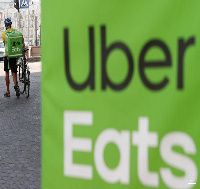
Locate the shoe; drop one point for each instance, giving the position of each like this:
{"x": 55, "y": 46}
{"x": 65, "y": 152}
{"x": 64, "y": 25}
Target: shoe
{"x": 16, "y": 87}
{"x": 7, "y": 94}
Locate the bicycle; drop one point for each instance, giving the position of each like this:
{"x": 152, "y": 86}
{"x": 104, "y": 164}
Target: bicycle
{"x": 24, "y": 73}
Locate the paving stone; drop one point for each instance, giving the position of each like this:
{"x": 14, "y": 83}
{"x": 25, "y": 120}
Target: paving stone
{"x": 20, "y": 137}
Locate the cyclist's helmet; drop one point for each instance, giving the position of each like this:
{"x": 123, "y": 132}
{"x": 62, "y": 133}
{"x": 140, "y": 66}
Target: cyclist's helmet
{"x": 8, "y": 22}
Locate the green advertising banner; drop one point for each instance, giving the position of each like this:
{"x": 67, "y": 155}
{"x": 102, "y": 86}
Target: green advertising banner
{"x": 120, "y": 94}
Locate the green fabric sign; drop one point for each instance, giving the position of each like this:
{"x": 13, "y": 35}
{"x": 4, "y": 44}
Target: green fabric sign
{"x": 13, "y": 44}
{"x": 120, "y": 94}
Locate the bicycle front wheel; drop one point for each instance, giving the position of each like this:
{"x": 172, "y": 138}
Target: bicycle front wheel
{"x": 27, "y": 84}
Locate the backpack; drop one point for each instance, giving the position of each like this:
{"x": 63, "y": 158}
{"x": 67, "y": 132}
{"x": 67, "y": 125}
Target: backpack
{"x": 13, "y": 44}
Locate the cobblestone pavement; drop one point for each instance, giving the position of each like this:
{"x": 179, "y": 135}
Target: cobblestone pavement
{"x": 20, "y": 135}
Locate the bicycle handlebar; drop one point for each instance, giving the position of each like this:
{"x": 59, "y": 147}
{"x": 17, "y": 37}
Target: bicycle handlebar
{"x": 25, "y": 50}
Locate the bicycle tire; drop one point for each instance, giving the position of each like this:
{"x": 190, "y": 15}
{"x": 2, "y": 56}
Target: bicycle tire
{"x": 27, "y": 84}
{"x": 19, "y": 72}
{"x": 20, "y": 69}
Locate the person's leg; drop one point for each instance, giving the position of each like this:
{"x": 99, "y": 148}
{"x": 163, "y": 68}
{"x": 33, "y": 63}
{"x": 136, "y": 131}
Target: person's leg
{"x": 14, "y": 78}
{"x": 7, "y": 76}
{"x": 13, "y": 66}
{"x": 7, "y": 81}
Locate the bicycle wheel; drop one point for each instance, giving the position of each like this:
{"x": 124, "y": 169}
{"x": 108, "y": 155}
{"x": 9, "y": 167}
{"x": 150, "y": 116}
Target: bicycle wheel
{"x": 20, "y": 69}
{"x": 27, "y": 84}
{"x": 20, "y": 78}
{"x": 24, "y": 79}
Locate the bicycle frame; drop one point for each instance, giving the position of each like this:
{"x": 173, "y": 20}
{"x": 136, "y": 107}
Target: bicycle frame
{"x": 24, "y": 74}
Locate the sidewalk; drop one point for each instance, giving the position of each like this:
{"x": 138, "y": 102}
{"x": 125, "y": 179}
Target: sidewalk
{"x": 20, "y": 135}
{"x": 34, "y": 67}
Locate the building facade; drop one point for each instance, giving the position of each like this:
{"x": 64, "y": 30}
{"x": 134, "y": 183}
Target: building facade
{"x": 27, "y": 21}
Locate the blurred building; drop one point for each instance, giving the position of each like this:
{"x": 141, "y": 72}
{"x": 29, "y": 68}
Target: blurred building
{"x": 28, "y": 21}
